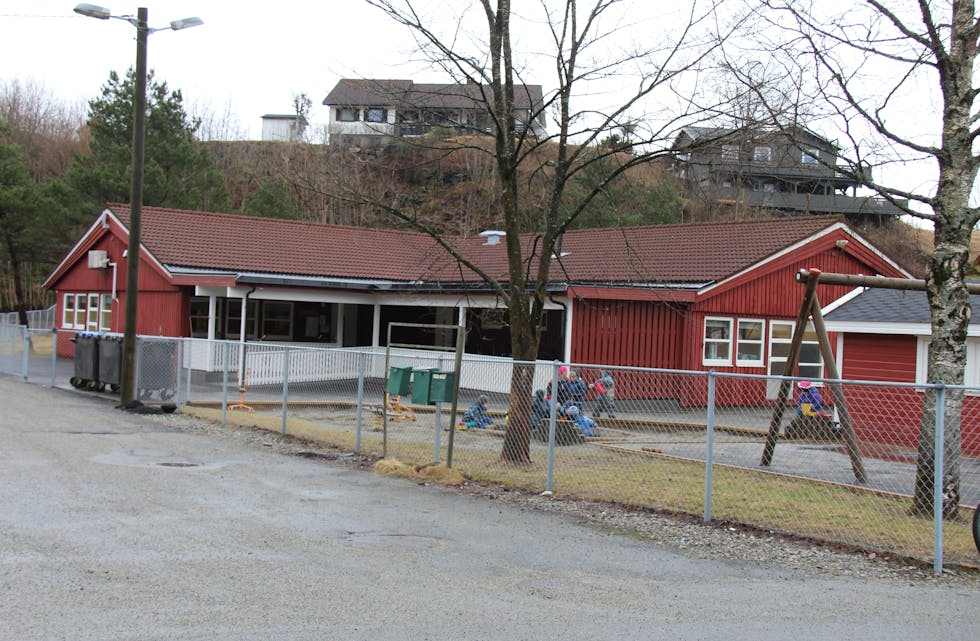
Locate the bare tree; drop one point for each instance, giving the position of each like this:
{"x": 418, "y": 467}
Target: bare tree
{"x": 591, "y": 49}
{"x": 897, "y": 81}
{"x": 45, "y": 127}
{"x": 301, "y": 105}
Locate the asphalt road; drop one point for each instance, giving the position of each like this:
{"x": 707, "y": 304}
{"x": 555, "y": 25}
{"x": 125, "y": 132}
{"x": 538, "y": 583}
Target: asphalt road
{"x": 116, "y": 526}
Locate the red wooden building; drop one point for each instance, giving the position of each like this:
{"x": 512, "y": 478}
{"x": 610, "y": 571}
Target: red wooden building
{"x": 883, "y": 335}
{"x": 694, "y": 296}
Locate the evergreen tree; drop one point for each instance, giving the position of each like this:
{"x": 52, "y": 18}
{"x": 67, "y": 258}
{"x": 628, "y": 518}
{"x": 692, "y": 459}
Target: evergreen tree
{"x": 272, "y": 200}
{"x": 34, "y": 225}
{"x": 178, "y": 171}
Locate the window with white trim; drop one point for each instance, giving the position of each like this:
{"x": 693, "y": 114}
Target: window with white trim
{"x": 748, "y": 345}
{"x": 762, "y": 154}
{"x": 93, "y": 313}
{"x": 780, "y": 339}
{"x": 87, "y": 312}
{"x": 717, "y": 341}
{"x": 375, "y": 114}
{"x": 348, "y": 114}
{"x": 68, "y": 312}
{"x": 105, "y": 313}
{"x": 811, "y": 156}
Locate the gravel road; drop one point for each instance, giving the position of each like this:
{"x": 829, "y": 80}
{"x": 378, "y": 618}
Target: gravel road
{"x": 117, "y": 526}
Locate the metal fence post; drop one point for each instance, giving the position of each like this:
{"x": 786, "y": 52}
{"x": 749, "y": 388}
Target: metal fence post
{"x": 437, "y": 440}
{"x": 938, "y": 463}
{"x": 179, "y": 395}
{"x": 710, "y": 446}
{"x": 285, "y": 388}
{"x": 54, "y": 356}
{"x": 25, "y": 362}
{"x": 361, "y": 366}
{"x": 190, "y": 363}
{"x": 552, "y": 425}
{"x": 224, "y": 383}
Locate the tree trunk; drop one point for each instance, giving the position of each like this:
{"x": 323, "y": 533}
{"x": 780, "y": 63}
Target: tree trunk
{"x": 949, "y": 300}
{"x": 17, "y": 276}
{"x": 949, "y": 304}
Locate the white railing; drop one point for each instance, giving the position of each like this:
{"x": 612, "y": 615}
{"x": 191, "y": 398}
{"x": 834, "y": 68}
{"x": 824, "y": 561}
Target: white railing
{"x": 36, "y": 318}
{"x": 265, "y": 363}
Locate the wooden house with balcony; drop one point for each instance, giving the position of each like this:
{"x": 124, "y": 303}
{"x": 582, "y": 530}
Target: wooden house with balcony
{"x": 790, "y": 172}
{"x": 369, "y": 112}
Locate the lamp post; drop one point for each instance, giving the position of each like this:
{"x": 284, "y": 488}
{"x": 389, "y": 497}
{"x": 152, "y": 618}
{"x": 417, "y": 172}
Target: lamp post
{"x": 127, "y": 388}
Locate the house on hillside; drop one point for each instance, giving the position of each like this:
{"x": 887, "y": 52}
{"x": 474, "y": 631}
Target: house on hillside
{"x": 367, "y": 112}
{"x": 281, "y": 127}
{"x": 697, "y": 296}
{"x": 784, "y": 171}
{"x": 884, "y": 335}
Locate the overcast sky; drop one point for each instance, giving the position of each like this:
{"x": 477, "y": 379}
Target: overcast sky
{"x": 250, "y": 57}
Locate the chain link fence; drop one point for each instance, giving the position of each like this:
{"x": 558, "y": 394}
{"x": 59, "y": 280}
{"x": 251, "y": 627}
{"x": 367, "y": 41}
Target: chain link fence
{"x": 849, "y": 468}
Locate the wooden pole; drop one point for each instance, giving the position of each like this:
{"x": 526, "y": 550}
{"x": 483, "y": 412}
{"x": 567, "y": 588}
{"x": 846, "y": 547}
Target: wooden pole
{"x": 792, "y": 359}
{"x": 854, "y": 280}
{"x": 830, "y": 365}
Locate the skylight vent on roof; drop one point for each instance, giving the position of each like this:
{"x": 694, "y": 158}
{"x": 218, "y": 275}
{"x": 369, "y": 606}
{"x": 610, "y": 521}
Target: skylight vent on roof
{"x": 492, "y": 236}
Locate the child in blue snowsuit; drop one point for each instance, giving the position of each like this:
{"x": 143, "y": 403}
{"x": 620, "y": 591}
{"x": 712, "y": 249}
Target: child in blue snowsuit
{"x": 476, "y": 416}
{"x": 586, "y": 426}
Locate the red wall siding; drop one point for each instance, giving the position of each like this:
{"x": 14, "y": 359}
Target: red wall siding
{"x": 878, "y": 357}
{"x": 162, "y": 309}
{"x": 629, "y": 333}
{"x": 892, "y": 415}
{"x": 774, "y": 291}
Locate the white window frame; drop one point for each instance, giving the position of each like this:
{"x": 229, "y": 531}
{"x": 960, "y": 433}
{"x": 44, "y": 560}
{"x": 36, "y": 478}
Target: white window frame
{"x": 801, "y": 365}
{"x": 353, "y": 110}
{"x": 971, "y": 375}
{"x": 810, "y": 156}
{"x": 369, "y": 111}
{"x": 105, "y": 312}
{"x": 68, "y": 312}
{"x": 739, "y": 341}
{"x": 762, "y": 153}
{"x": 92, "y": 313}
{"x": 81, "y": 311}
{"x": 706, "y": 341}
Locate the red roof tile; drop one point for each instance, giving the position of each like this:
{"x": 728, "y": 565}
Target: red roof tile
{"x": 688, "y": 253}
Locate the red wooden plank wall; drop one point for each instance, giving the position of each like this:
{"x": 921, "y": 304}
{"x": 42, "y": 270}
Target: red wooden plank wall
{"x": 630, "y": 333}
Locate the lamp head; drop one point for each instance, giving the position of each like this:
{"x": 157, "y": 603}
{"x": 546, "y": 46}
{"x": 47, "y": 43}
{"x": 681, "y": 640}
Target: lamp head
{"x": 186, "y": 23}
{"x": 93, "y": 11}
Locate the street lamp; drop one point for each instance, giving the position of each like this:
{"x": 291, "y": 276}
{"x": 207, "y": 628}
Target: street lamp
{"x": 127, "y": 386}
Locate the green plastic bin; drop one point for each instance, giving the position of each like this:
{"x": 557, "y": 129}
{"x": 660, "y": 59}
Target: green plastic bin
{"x": 399, "y": 380}
{"x": 422, "y": 386}
{"x": 442, "y": 387}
